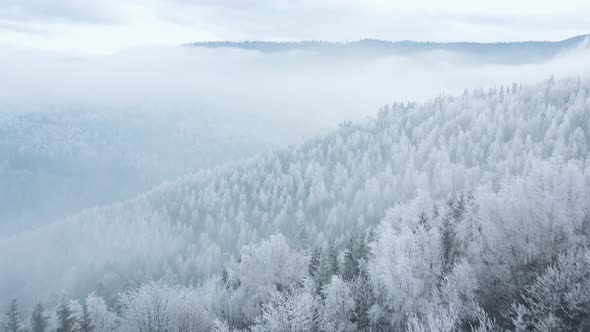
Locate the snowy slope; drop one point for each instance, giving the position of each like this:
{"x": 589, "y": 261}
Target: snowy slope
{"x": 328, "y": 188}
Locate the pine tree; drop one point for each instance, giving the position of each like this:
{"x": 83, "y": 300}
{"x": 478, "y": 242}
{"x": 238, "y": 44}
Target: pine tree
{"x": 86, "y": 324}
{"x": 39, "y": 320}
{"x": 66, "y": 319}
{"x": 12, "y": 318}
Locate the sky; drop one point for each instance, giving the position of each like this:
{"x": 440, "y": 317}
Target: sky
{"x": 109, "y": 26}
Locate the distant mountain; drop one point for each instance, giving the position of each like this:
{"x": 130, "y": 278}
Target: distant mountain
{"x": 511, "y": 52}
{"x": 324, "y": 190}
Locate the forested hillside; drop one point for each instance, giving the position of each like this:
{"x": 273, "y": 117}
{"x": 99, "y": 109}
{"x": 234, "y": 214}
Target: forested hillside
{"x": 503, "y": 52}
{"x": 115, "y": 127}
{"x": 55, "y": 163}
{"x": 467, "y": 211}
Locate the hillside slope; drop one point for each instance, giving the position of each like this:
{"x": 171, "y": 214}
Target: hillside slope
{"x": 55, "y": 163}
{"x": 324, "y": 190}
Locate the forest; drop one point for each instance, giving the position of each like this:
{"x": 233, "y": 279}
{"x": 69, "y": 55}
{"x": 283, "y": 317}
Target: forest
{"x": 467, "y": 212}
{"x": 516, "y": 260}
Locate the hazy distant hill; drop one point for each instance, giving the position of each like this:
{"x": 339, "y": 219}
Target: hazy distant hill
{"x": 503, "y": 52}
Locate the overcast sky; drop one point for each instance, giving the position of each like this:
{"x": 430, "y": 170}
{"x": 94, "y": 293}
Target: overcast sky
{"x": 107, "y": 26}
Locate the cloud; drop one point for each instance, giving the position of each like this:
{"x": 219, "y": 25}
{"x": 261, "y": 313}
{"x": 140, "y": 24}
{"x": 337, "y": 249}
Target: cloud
{"x": 338, "y": 88}
{"x": 111, "y": 25}
{"x": 92, "y": 11}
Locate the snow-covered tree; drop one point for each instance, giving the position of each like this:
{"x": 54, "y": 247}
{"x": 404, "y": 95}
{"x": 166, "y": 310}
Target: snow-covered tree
{"x": 559, "y": 298}
{"x": 39, "y": 319}
{"x": 289, "y": 311}
{"x": 262, "y": 269}
{"x": 339, "y": 306}
{"x": 85, "y": 321}
{"x": 67, "y": 321}
{"x": 103, "y": 319}
{"x": 13, "y": 321}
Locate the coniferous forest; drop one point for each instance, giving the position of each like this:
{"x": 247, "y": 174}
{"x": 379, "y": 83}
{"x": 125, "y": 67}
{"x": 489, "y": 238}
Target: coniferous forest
{"x": 466, "y": 212}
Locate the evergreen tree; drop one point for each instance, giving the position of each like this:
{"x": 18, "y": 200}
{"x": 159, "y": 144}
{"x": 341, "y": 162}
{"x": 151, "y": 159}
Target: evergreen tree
{"x": 333, "y": 256}
{"x": 355, "y": 257}
{"x": 458, "y": 208}
{"x": 350, "y": 266}
{"x": 314, "y": 262}
{"x": 303, "y": 239}
{"x": 364, "y": 299}
{"x": 325, "y": 271}
{"x": 448, "y": 244}
{"x": 423, "y": 221}
{"x": 449, "y": 235}
{"x": 362, "y": 251}
{"x": 86, "y": 324}
{"x": 39, "y": 320}
{"x": 66, "y": 319}
{"x": 12, "y": 318}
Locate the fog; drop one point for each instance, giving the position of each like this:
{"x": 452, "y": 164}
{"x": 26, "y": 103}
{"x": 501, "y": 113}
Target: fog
{"x": 275, "y": 84}
{"x": 79, "y": 131}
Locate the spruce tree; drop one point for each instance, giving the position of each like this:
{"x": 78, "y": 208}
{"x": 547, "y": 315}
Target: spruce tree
{"x": 314, "y": 262}
{"x": 12, "y": 318}
{"x": 448, "y": 240}
{"x": 458, "y": 208}
{"x": 333, "y": 256}
{"x": 86, "y": 324}
{"x": 350, "y": 267}
{"x": 364, "y": 299}
{"x": 66, "y": 319}
{"x": 325, "y": 271}
{"x": 39, "y": 320}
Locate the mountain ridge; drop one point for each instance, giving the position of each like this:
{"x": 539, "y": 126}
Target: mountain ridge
{"x": 379, "y": 47}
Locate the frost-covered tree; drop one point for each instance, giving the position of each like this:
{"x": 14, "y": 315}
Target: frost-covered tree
{"x": 339, "y": 306}
{"x": 328, "y": 266}
{"x": 67, "y": 321}
{"x": 263, "y": 269}
{"x": 350, "y": 266}
{"x": 39, "y": 319}
{"x": 85, "y": 320}
{"x": 559, "y": 298}
{"x": 162, "y": 306}
{"x": 528, "y": 224}
{"x": 103, "y": 319}
{"x": 314, "y": 261}
{"x": 363, "y": 296}
{"x": 148, "y": 308}
{"x": 13, "y": 321}
{"x": 290, "y": 311}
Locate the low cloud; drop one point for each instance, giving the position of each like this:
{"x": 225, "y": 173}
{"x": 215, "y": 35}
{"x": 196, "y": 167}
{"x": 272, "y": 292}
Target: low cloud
{"x": 337, "y": 88}
{"x": 196, "y": 107}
